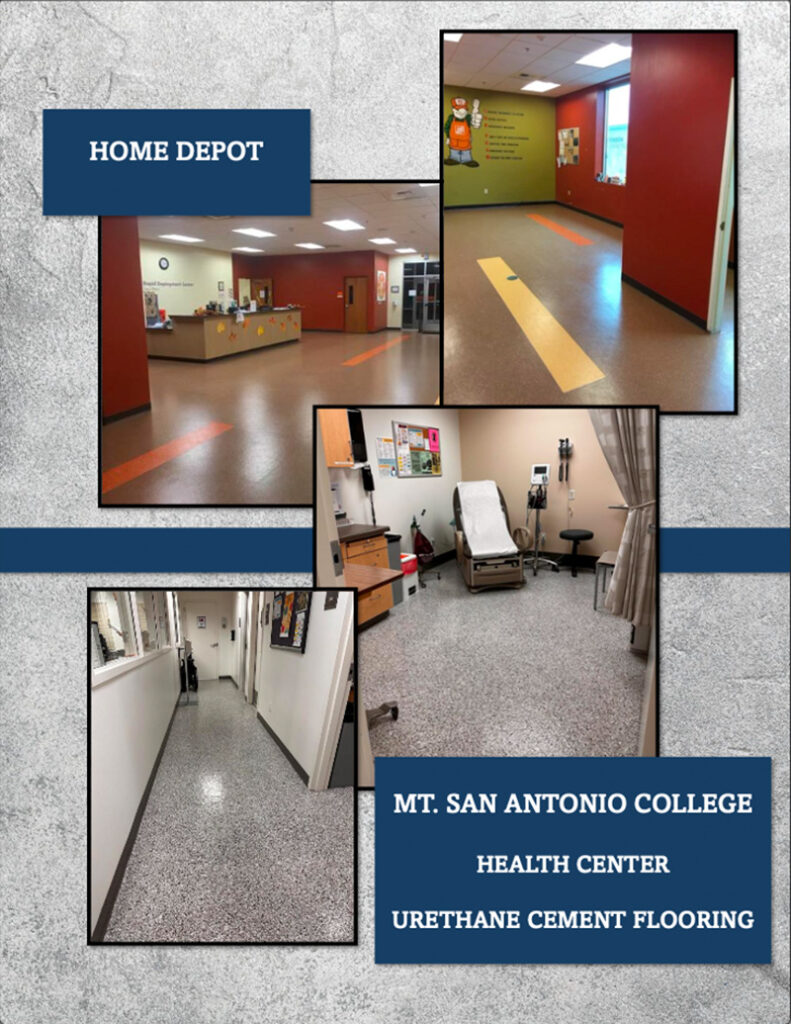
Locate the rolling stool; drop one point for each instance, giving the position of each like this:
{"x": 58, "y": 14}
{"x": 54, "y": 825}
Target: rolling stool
{"x": 576, "y": 537}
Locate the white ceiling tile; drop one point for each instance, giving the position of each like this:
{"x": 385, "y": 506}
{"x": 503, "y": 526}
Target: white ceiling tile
{"x": 497, "y": 60}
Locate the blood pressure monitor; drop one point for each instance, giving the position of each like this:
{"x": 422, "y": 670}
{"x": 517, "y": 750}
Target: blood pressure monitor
{"x": 539, "y": 474}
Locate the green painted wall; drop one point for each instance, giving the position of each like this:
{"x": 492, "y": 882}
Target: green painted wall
{"x": 520, "y": 165}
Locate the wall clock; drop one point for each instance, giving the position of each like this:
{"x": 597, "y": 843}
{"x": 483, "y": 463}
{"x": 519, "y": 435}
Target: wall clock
{"x": 164, "y": 263}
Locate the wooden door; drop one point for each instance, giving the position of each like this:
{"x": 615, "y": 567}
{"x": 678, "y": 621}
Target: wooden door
{"x": 334, "y": 425}
{"x": 263, "y": 292}
{"x": 356, "y": 298}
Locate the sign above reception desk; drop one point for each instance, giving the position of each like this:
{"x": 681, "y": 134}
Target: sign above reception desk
{"x": 221, "y": 162}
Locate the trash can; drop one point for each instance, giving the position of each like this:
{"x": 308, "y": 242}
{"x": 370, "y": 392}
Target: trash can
{"x": 410, "y": 581}
{"x": 394, "y": 561}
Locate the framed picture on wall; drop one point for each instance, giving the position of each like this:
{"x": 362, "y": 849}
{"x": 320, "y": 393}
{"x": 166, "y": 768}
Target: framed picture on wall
{"x": 290, "y": 615}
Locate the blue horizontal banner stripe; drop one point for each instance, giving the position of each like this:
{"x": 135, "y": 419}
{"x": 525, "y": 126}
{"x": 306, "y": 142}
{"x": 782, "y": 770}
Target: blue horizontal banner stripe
{"x": 239, "y": 549}
{"x": 724, "y": 550}
{"x": 247, "y": 549}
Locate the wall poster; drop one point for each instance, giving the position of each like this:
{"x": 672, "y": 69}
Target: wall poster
{"x": 290, "y": 615}
{"x": 568, "y": 146}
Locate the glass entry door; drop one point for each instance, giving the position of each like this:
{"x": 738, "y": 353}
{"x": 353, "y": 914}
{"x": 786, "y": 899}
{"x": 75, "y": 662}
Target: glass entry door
{"x": 431, "y": 303}
{"x": 421, "y": 297}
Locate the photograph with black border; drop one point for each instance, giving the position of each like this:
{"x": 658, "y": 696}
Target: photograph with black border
{"x": 590, "y": 211}
{"x": 541, "y": 639}
{"x": 218, "y": 334}
{"x": 222, "y": 766}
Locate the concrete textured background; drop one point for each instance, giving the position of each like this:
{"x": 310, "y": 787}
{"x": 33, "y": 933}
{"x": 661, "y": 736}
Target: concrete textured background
{"x": 368, "y": 71}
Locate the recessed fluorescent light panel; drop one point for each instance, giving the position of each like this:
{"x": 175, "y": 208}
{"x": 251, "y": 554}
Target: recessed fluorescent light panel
{"x": 344, "y": 225}
{"x": 429, "y": 184}
{"x": 452, "y": 37}
{"x": 382, "y": 241}
{"x": 308, "y": 245}
{"x": 245, "y": 248}
{"x": 406, "y": 250}
{"x": 539, "y": 86}
{"x": 181, "y": 238}
{"x": 253, "y": 232}
{"x": 607, "y": 55}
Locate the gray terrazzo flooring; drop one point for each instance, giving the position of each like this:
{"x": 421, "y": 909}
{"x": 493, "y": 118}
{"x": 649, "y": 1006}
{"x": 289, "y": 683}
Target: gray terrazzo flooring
{"x": 523, "y": 672}
{"x": 233, "y": 847}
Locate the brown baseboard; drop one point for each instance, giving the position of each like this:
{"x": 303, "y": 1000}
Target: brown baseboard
{"x": 127, "y": 412}
{"x": 115, "y": 885}
{"x": 289, "y": 756}
{"x": 693, "y": 317}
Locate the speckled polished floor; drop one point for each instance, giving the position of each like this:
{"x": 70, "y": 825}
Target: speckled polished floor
{"x": 267, "y": 397}
{"x": 512, "y": 673}
{"x": 233, "y": 847}
{"x": 648, "y": 353}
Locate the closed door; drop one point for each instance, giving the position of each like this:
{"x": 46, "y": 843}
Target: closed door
{"x": 356, "y": 297}
{"x": 202, "y": 628}
{"x": 263, "y": 292}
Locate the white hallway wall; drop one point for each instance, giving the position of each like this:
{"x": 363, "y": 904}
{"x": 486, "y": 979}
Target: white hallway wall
{"x": 294, "y": 689}
{"x": 396, "y": 499}
{"x": 129, "y": 717}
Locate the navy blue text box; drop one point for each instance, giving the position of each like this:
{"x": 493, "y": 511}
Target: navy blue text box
{"x": 715, "y": 862}
{"x": 277, "y": 183}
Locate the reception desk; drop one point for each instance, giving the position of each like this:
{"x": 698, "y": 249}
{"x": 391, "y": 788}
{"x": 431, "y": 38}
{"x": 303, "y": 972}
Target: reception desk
{"x": 203, "y": 338}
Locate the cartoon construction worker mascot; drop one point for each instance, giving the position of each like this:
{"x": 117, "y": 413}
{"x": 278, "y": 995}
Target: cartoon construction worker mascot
{"x": 458, "y": 132}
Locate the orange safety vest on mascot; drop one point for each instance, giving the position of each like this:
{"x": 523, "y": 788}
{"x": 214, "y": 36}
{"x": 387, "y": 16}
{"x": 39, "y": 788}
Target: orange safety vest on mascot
{"x": 459, "y": 134}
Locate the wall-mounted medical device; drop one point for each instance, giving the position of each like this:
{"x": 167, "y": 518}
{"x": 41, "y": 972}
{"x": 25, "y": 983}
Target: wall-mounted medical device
{"x": 539, "y": 474}
{"x": 565, "y": 448}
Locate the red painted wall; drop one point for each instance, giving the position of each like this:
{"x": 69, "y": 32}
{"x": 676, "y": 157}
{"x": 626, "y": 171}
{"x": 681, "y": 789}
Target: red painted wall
{"x": 677, "y": 124}
{"x": 575, "y": 184}
{"x": 123, "y": 340}
{"x": 313, "y": 280}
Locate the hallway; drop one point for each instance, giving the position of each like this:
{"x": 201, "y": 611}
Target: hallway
{"x": 536, "y": 312}
{"x": 232, "y": 846}
{"x": 239, "y": 431}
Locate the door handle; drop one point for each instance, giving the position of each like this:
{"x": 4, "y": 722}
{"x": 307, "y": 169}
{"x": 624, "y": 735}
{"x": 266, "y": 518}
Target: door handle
{"x": 215, "y": 645}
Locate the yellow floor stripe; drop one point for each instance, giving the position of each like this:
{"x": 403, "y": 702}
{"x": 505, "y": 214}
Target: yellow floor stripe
{"x": 566, "y": 361}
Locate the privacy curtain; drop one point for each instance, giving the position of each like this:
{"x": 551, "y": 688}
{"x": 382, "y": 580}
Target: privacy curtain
{"x": 628, "y": 440}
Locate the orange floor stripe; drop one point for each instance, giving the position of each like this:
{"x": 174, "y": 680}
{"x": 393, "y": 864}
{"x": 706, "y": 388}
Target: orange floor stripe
{"x": 356, "y": 360}
{"x": 144, "y": 463}
{"x": 572, "y": 236}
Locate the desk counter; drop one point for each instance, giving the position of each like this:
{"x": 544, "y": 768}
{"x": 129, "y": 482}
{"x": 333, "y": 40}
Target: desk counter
{"x": 203, "y": 338}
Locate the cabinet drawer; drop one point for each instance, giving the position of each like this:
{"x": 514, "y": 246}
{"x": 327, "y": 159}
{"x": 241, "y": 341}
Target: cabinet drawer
{"x": 374, "y": 603}
{"x": 355, "y": 548}
{"x": 378, "y": 557}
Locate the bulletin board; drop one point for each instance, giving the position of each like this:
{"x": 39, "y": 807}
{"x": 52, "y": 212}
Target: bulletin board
{"x": 290, "y": 614}
{"x": 568, "y": 146}
{"x": 417, "y": 450}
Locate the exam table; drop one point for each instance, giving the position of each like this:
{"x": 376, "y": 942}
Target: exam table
{"x": 485, "y": 550}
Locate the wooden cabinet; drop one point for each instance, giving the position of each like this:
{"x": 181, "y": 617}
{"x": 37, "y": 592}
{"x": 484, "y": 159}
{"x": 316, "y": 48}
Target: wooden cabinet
{"x": 360, "y": 557}
{"x": 371, "y": 551}
{"x": 375, "y": 602}
{"x": 343, "y": 435}
{"x": 337, "y": 439}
